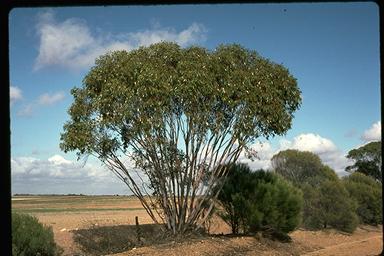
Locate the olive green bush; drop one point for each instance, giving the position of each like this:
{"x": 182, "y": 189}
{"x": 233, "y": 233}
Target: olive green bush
{"x": 326, "y": 201}
{"x": 367, "y": 192}
{"x": 329, "y": 205}
{"x": 29, "y": 237}
{"x": 257, "y": 201}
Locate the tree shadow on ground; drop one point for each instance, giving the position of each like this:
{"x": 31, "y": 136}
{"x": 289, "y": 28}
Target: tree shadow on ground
{"x": 102, "y": 240}
{"x": 114, "y": 239}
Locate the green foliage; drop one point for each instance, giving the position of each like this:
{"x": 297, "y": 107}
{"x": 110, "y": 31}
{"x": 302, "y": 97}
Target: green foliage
{"x": 29, "y": 237}
{"x": 301, "y": 166}
{"x": 326, "y": 202}
{"x": 233, "y": 196}
{"x": 135, "y": 92}
{"x": 367, "y": 160}
{"x": 328, "y": 205}
{"x": 260, "y": 200}
{"x": 367, "y": 192}
{"x": 146, "y": 104}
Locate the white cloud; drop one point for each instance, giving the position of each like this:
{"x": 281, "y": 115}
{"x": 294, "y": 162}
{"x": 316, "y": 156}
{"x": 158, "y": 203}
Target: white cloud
{"x": 373, "y": 133}
{"x": 45, "y": 99}
{"x": 264, "y": 154}
{"x": 60, "y": 175}
{"x": 71, "y": 43}
{"x": 50, "y": 99}
{"x": 61, "y": 42}
{"x": 24, "y": 167}
{"x": 313, "y": 143}
{"x": 15, "y": 94}
{"x": 323, "y": 147}
{"x": 26, "y": 110}
{"x": 58, "y": 160}
{"x": 192, "y": 34}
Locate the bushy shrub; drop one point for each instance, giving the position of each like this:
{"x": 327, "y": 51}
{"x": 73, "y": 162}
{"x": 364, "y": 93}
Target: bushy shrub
{"x": 368, "y": 194}
{"x": 326, "y": 202}
{"x": 29, "y": 237}
{"x": 255, "y": 201}
{"x": 328, "y": 205}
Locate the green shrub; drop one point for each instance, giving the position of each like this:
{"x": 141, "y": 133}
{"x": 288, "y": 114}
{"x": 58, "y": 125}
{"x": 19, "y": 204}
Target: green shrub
{"x": 368, "y": 194}
{"x": 326, "y": 201}
{"x": 328, "y": 205}
{"x": 29, "y": 237}
{"x": 256, "y": 201}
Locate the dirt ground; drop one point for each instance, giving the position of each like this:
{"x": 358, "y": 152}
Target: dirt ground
{"x": 68, "y": 214}
{"x": 365, "y": 241}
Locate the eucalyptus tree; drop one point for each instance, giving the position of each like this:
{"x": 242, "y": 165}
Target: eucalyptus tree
{"x": 179, "y": 114}
{"x": 367, "y": 160}
{"x": 301, "y": 167}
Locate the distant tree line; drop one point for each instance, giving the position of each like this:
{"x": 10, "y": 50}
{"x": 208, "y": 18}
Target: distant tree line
{"x": 26, "y": 194}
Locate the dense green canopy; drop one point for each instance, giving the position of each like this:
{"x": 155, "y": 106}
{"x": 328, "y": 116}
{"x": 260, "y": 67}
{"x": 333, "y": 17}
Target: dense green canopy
{"x": 137, "y": 92}
{"x": 258, "y": 200}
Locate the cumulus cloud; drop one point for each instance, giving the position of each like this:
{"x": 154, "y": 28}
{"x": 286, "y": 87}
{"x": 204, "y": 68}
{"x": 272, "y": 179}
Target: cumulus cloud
{"x": 62, "y": 176}
{"x": 373, "y": 133}
{"x": 313, "y": 143}
{"x": 59, "y": 175}
{"x": 264, "y": 152}
{"x": 72, "y": 44}
{"x": 323, "y": 147}
{"x": 194, "y": 33}
{"x": 15, "y": 94}
{"x": 45, "y": 99}
{"x": 26, "y": 110}
{"x": 50, "y": 99}
{"x": 55, "y": 166}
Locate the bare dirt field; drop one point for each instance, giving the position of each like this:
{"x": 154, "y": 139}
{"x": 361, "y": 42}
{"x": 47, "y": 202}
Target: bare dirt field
{"x": 68, "y": 214}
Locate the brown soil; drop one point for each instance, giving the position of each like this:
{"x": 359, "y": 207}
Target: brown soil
{"x": 366, "y": 240}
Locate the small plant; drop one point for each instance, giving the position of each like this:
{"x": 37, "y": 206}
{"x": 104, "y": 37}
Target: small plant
{"x": 30, "y": 237}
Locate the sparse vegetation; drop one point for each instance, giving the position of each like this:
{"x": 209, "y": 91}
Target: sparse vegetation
{"x": 114, "y": 239}
{"x": 108, "y": 231}
{"x": 29, "y": 237}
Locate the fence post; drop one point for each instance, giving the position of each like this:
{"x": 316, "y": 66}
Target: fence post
{"x": 137, "y": 229}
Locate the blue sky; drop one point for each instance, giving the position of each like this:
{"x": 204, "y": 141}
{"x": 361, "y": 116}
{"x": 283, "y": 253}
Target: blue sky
{"x": 331, "y": 48}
